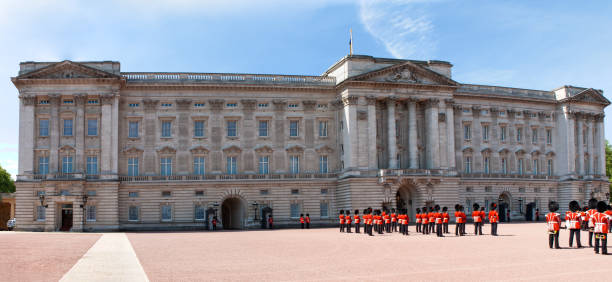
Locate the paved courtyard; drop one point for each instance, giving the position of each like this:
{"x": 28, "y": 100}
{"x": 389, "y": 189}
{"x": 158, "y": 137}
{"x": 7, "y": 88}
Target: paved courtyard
{"x": 519, "y": 253}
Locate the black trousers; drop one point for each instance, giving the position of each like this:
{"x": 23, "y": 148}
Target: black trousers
{"x": 480, "y": 227}
{"x": 476, "y": 224}
{"x": 342, "y": 227}
{"x": 394, "y": 225}
{"x": 457, "y": 229}
{"x": 494, "y": 228}
{"x": 380, "y": 229}
{"x": 571, "y": 238}
{"x": 302, "y": 225}
{"x": 604, "y": 243}
{"x": 405, "y": 227}
{"x": 553, "y": 238}
{"x": 463, "y": 228}
{"x": 418, "y": 227}
{"x": 307, "y": 225}
{"x": 591, "y": 237}
{"x": 432, "y": 225}
{"x": 425, "y": 228}
{"x": 348, "y": 227}
{"x": 439, "y": 229}
{"x": 446, "y": 227}
{"x": 356, "y": 227}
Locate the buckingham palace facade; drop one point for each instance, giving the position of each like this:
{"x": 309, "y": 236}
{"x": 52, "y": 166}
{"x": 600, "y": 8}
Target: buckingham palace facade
{"x": 101, "y": 149}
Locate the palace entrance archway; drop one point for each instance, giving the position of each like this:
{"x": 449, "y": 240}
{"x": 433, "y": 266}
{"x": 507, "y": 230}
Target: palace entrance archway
{"x": 233, "y": 213}
{"x": 405, "y": 198}
{"x": 504, "y": 203}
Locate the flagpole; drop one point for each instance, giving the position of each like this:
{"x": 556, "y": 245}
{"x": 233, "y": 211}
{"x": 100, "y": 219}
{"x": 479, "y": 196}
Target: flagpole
{"x": 351, "y": 42}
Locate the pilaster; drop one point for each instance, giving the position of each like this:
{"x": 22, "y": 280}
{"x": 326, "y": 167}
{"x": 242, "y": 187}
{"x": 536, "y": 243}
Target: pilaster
{"x": 351, "y": 135}
{"x": 391, "y": 139}
{"x": 26, "y": 134}
{"x": 433, "y": 142}
{"x": 580, "y": 121}
{"x": 372, "y": 155}
{"x": 412, "y": 133}
{"x": 450, "y": 133}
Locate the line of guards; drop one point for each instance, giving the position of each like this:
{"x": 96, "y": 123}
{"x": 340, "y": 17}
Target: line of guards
{"x": 595, "y": 218}
{"x": 428, "y": 220}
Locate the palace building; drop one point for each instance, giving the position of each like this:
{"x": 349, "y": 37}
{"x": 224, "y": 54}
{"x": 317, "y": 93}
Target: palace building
{"x": 102, "y": 149}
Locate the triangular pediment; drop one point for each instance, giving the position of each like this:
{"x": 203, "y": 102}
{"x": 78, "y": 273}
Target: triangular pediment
{"x": 67, "y": 70}
{"x": 589, "y": 95}
{"x": 406, "y": 72}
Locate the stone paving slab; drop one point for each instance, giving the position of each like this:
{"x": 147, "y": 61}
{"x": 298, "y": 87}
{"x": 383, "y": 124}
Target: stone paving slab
{"x": 110, "y": 259}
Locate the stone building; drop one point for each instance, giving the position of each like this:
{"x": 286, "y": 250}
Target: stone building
{"x": 101, "y": 149}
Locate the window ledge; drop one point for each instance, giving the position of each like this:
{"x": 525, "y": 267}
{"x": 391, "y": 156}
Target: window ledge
{"x": 166, "y": 137}
{"x": 133, "y": 138}
{"x": 233, "y": 137}
{"x": 200, "y": 137}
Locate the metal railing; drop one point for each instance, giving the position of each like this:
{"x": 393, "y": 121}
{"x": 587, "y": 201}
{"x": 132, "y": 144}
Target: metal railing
{"x": 223, "y": 177}
{"x": 514, "y": 176}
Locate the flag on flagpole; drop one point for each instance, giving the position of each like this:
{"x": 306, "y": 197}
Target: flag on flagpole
{"x": 351, "y": 41}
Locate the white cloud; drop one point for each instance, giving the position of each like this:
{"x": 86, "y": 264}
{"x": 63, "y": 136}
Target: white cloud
{"x": 402, "y": 26}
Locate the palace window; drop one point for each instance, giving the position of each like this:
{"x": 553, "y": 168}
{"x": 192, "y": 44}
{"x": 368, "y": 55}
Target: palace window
{"x": 165, "y": 166}
{"x": 43, "y": 165}
{"x": 519, "y": 135}
{"x": 534, "y": 135}
{"x": 166, "y": 105}
{"x": 231, "y": 165}
{"x": 199, "y": 193}
{"x": 324, "y": 208}
{"x": 263, "y": 105}
{"x": 133, "y": 194}
{"x": 40, "y": 213}
{"x": 520, "y": 166}
{"x": 263, "y": 128}
{"x": 324, "y": 191}
{"x": 69, "y": 102}
{"x": 166, "y": 129}
{"x": 134, "y": 105}
{"x": 548, "y": 136}
{"x": 294, "y": 128}
{"x": 92, "y": 165}
{"x": 231, "y": 105}
{"x": 264, "y": 165}
{"x": 536, "y": 167}
{"x": 295, "y": 191}
{"x": 132, "y": 166}
{"x": 467, "y": 132}
{"x": 67, "y": 164}
{"x": 502, "y": 133}
{"x": 198, "y": 128}
{"x": 295, "y": 210}
{"x": 485, "y": 132}
{"x": 133, "y": 213}
{"x": 133, "y": 129}
{"x": 91, "y": 193}
{"x": 92, "y": 127}
{"x": 43, "y": 102}
{"x": 232, "y": 128}
{"x": 166, "y": 212}
{"x": 486, "y": 165}
{"x": 467, "y": 165}
{"x": 93, "y": 101}
{"x": 67, "y": 127}
{"x": 504, "y": 165}
{"x": 199, "y": 105}
{"x": 264, "y": 192}
{"x": 323, "y": 164}
{"x": 43, "y": 127}
{"x": 292, "y": 106}
{"x": 199, "y": 213}
{"x": 199, "y": 165}
{"x": 323, "y": 128}
{"x": 294, "y": 164}
{"x": 91, "y": 213}
{"x": 166, "y": 194}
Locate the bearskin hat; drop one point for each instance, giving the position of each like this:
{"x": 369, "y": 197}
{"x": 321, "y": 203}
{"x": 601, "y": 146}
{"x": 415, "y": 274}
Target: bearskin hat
{"x": 553, "y": 206}
{"x": 418, "y": 210}
{"x": 348, "y": 212}
{"x": 592, "y": 203}
{"x": 493, "y": 206}
{"x": 341, "y": 211}
{"x": 476, "y": 206}
{"x": 444, "y": 208}
{"x": 437, "y": 207}
{"x": 457, "y": 207}
{"x": 574, "y": 206}
{"x": 602, "y": 206}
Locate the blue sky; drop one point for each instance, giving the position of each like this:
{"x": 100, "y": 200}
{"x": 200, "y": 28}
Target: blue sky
{"x": 527, "y": 44}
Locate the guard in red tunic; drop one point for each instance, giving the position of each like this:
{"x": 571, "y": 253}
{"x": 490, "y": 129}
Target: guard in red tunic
{"x": 307, "y": 221}
{"x": 214, "y": 223}
{"x": 357, "y": 221}
{"x": 601, "y": 221}
{"x": 609, "y": 214}
{"x": 393, "y": 221}
{"x": 438, "y": 221}
{"x": 341, "y": 216}
{"x": 477, "y": 219}
{"x": 432, "y": 220}
{"x": 592, "y": 211}
{"x": 380, "y": 222}
{"x": 347, "y": 221}
{"x": 302, "y": 221}
{"x": 425, "y": 221}
{"x": 553, "y": 223}
{"x": 457, "y": 220}
{"x": 387, "y": 221}
{"x": 464, "y": 216}
{"x": 583, "y": 217}
{"x": 418, "y": 219}
{"x": 445, "y": 219}
{"x": 493, "y": 219}
{"x": 572, "y": 222}
{"x": 270, "y": 221}
{"x": 369, "y": 222}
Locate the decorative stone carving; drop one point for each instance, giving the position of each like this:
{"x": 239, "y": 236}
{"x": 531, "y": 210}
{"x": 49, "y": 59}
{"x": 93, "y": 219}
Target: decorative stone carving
{"x": 248, "y": 104}
{"x": 336, "y": 104}
{"x": 324, "y": 149}
{"x": 295, "y": 149}
{"x": 166, "y": 150}
{"x": 309, "y": 105}
{"x": 402, "y": 75}
{"x": 150, "y": 104}
{"x": 80, "y": 99}
{"x": 28, "y": 100}
{"x": 54, "y": 99}
{"x": 431, "y": 102}
{"x": 233, "y": 149}
{"x": 216, "y": 104}
{"x": 107, "y": 99}
{"x": 527, "y": 114}
{"x": 350, "y": 100}
{"x": 199, "y": 150}
{"x": 264, "y": 150}
{"x": 362, "y": 115}
{"x": 370, "y": 100}
{"x": 67, "y": 149}
{"x": 132, "y": 150}
{"x": 279, "y": 105}
{"x": 441, "y": 117}
{"x": 183, "y": 104}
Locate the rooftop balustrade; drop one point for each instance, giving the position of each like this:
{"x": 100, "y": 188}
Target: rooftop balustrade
{"x": 229, "y": 78}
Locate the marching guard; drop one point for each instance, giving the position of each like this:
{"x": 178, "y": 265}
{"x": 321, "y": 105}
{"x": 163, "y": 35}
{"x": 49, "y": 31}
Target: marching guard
{"x": 583, "y": 218}
{"x": 600, "y": 222}
{"x": 590, "y": 213}
{"x": 347, "y": 221}
{"x": 380, "y": 222}
{"x": 425, "y": 221}
{"x": 387, "y": 221}
{"x": 572, "y": 222}
{"x": 341, "y": 216}
{"x": 464, "y": 216}
{"x": 553, "y": 222}
{"x": 307, "y": 221}
{"x": 438, "y": 221}
{"x": 445, "y": 219}
{"x": 418, "y": 219}
{"x": 477, "y": 219}
{"x": 432, "y": 220}
{"x": 393, "y": 221}
{"x": 493, "y": 219}
{"x": 357, "y": 221}
{"x": 302, "y": 221}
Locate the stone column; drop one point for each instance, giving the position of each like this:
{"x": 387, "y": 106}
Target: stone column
{"x": 571, "y": 143}
{"x": 54, "y": 133}
{"x": 27, "y": 127}
{"x": 106, "y": 132}
{"x": 432, "y": 140}
{"x": 80, "y": 123}
{"x": 115, "y": 139}
{"x": 601, "y": 145}
{"x": 372, "y": 153}
{"x": 412, "y": 133}
{"x": 351, "y": 136}
{"x": 589, "y": 133}
{"x": 391, "y": 139}
{"x": 279, "y": 162}
{"x": 150, "y": 136}
{"x": 450, "y": 133}
{"x": 580, "y": 121}
{"x": 183, "y": 164}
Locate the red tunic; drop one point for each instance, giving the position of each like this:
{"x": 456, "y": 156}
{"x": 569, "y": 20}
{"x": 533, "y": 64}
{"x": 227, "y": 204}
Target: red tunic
{"x": 601, "y": 222}
{"x": 553, "y": 221}
{"x": 476, "y": 216}
{"x": 493, "y": 217}
{"x": 357, "y": 219}
{"x": 341, "y": 219}
{"x": 572, "y": 220}
{"x": 445, "y": 217}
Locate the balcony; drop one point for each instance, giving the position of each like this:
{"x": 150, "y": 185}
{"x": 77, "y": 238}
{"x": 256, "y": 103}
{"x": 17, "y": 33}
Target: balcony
{"x": 414, "y": 172}
{"x": 509, "y": 176}
{"x": 64, "y": 176}
{"x": 226, "y": 177}
{"x": 232, "y": 78}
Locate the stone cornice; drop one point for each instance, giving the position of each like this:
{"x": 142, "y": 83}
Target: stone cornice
{"x": 107, "y": 99}
{"x": 28, "y": 100}
{"x": 242, "y": 87}
{"x": 391, "y": 85}
{"x": 309, "y": 105}
{"x": 350, "y": 100}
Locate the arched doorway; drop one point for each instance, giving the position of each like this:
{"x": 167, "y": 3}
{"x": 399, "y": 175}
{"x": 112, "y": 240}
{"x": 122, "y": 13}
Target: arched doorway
{"x": 405, "y": 199}
{"x": 233, "y": 213}
{"x": 504, "y": 204}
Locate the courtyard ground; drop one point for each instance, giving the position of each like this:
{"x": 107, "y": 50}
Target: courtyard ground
{"x": 520, "y": 253}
